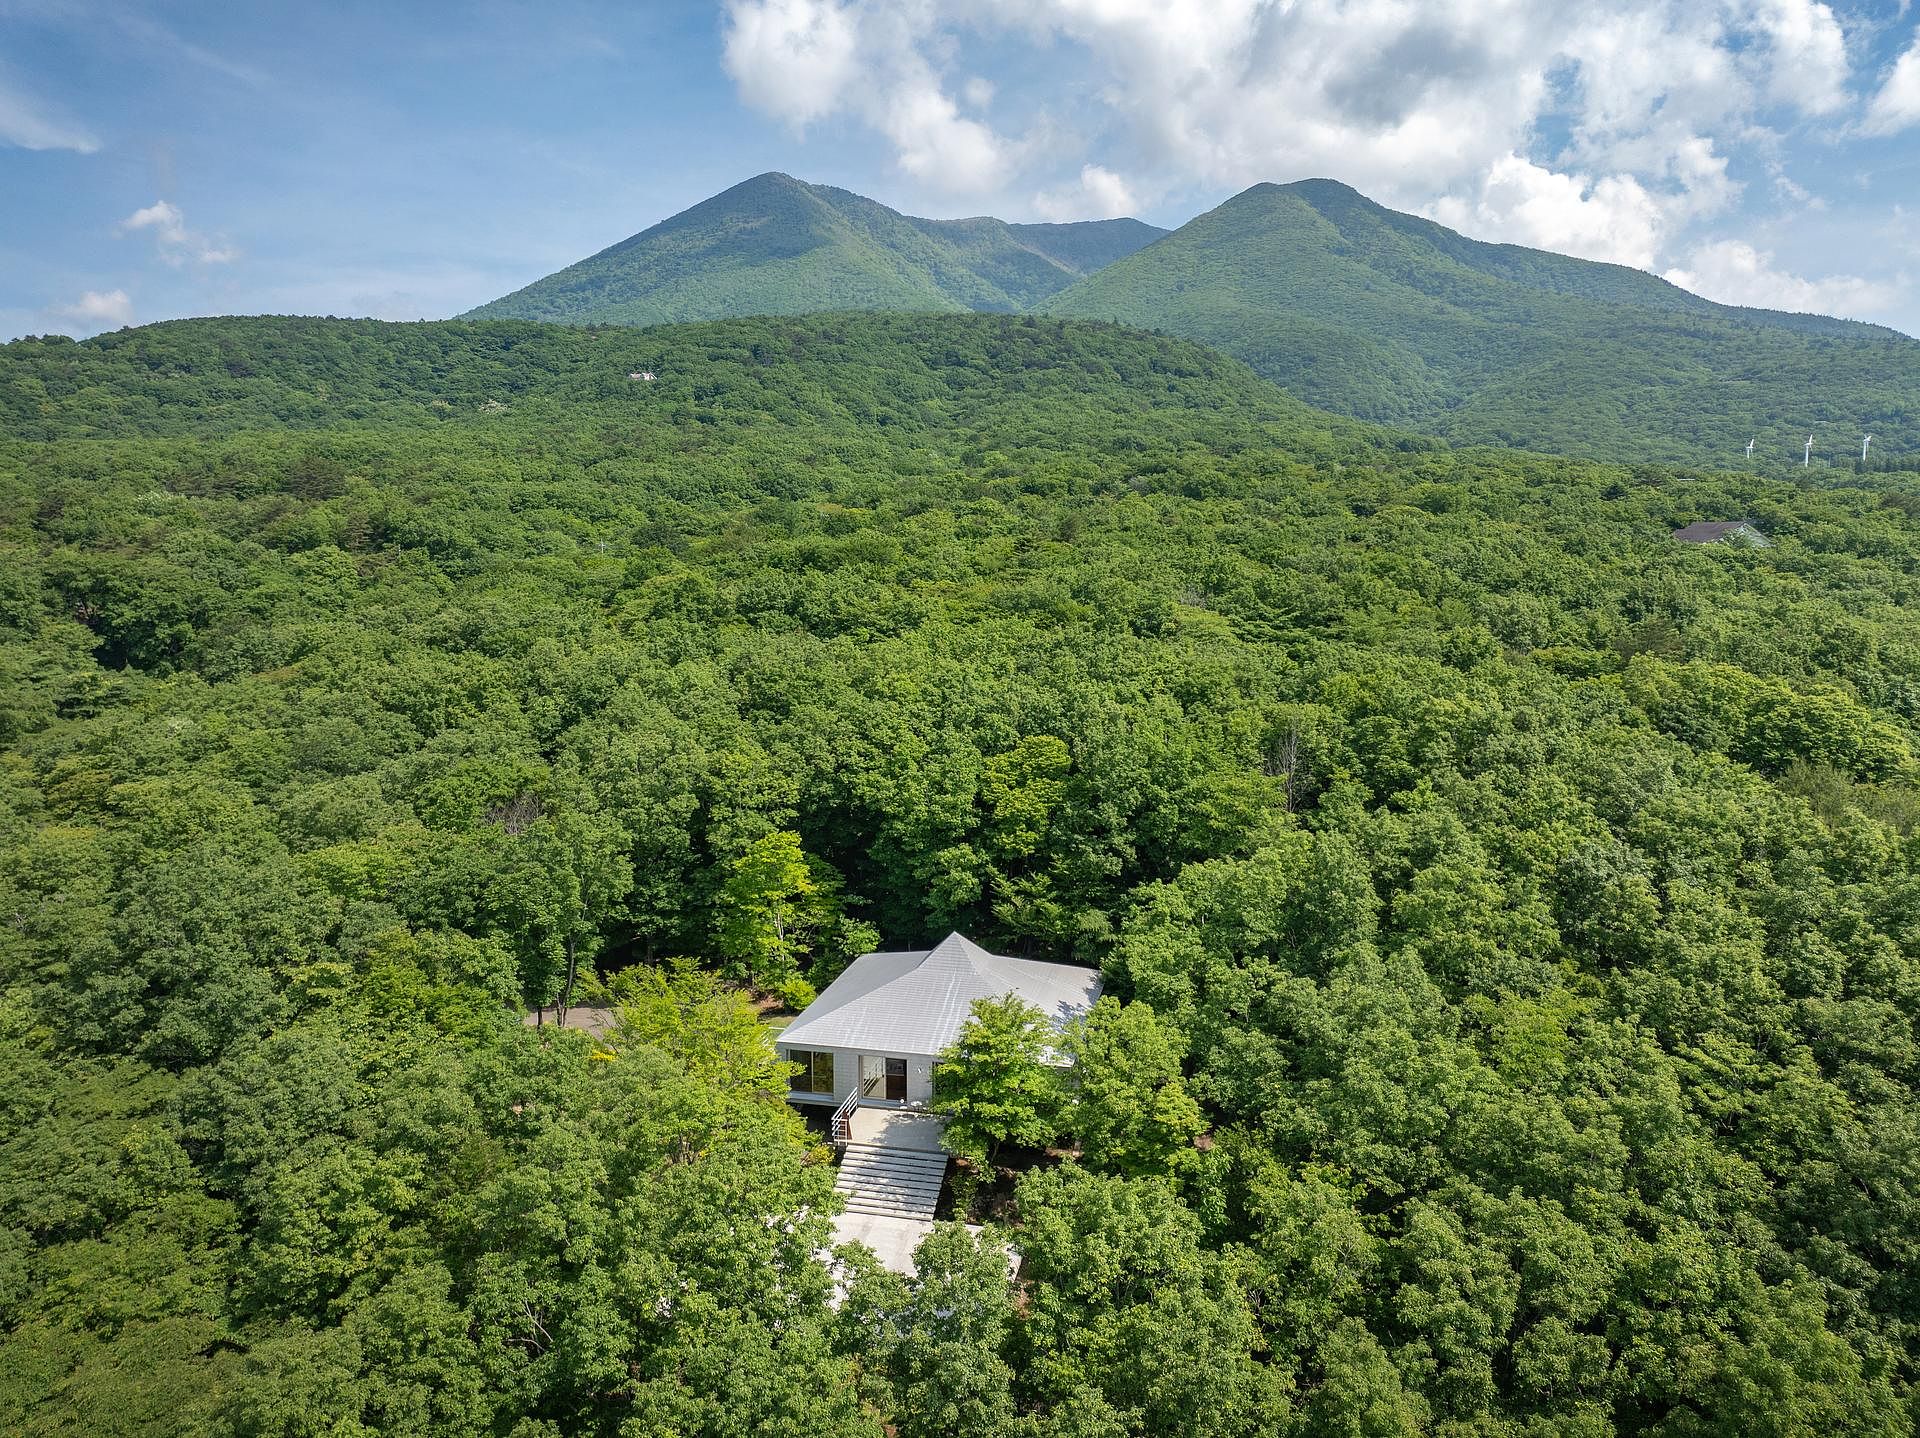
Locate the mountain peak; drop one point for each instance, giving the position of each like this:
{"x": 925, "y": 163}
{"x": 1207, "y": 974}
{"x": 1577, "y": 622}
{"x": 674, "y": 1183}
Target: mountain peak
{"x": 767, "y": 181}
{"x": 1393, "y": 318}
{"x": 1315, "y": 189}
{"x": 774, "y": 244}
{"x": 1320, "y": 191}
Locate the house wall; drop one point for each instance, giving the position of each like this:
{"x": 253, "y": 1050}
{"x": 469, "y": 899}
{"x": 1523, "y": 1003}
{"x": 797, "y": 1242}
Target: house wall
{"x": 919, "y": 1078}
{"x": 846, "y": 1075}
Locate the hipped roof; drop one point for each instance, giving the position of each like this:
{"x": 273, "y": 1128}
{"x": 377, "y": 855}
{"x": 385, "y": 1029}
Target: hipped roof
{"x": 915, "y": 1002}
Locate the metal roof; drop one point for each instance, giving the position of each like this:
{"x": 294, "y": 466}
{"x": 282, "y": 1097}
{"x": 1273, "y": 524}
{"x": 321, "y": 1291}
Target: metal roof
{"x": 915, "y": 1002}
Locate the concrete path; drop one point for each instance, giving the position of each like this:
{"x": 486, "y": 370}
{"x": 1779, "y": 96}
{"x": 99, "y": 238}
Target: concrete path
{"x": 892, "y": 1240}
{"x": 890, "y": 1177}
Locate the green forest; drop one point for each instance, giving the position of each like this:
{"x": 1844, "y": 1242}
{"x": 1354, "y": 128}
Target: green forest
{"x": 1510, "y": 916}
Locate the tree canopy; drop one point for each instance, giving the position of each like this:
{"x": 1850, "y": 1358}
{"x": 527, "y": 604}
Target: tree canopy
{"x": 997, "y": 1083}
{"x": 1528, "y": 906}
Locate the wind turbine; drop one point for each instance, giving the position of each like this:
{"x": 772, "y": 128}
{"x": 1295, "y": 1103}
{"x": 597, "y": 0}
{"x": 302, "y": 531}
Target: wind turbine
{"x": 1806, "y": 460}
{"x": 1749, "y": 449}
{"x": 1864, "y": 442}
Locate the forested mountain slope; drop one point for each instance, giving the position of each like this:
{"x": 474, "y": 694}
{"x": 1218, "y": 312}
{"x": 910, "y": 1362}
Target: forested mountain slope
{"x": 774, "y": 245}
{"x": 1360, "y": 309}
{"x": 1531, "y": 904}
{"x": 1349, "y": 305}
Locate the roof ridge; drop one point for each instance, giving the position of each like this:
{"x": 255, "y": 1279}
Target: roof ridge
{"x": 956, "y": 950}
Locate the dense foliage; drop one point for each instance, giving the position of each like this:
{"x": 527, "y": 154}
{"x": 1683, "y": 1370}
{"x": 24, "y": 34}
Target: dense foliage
{"x": 1359, "y": 309}
{"x": 774, "y": 245}
{"x": 1527, "y": 906}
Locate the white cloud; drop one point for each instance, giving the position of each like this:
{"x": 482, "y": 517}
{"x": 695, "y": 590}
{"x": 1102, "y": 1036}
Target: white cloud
{"x": 177, "y": 244}
{"x": 1897, "y": 105}
{"x": 96, "y": 310}
{"x": 1229, "y": 92}
{"x": 1612, "y": 218}
{"x": 1612, "y": 129}
{"x": 934, "y": 142}
{"x": 793, "y": 59}
{"x": 160, "y": 216}
{"x": 1808, "y": 54}
{"x": 1099, "y": 194}
{"x": 804, "y": 60}
{"x": 1795, "y": 193}
{"x": 27, "y": 125}
{"x": 1735, "y": 273}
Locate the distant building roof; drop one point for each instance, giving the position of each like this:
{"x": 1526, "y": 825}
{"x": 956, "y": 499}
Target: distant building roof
{"x": 915, "y": 1002}
{"x": 1718, "y": 531}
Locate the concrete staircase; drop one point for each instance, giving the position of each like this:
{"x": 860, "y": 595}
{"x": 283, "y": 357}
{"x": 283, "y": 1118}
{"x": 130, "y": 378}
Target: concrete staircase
{"x": 891, "y": 1180}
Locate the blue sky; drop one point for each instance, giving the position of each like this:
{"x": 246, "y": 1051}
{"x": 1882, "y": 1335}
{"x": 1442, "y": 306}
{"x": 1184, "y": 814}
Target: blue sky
{"x": 411, "y": 160}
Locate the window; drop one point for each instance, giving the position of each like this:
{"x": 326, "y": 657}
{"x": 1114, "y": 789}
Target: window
{"x": 816, "y": 1071}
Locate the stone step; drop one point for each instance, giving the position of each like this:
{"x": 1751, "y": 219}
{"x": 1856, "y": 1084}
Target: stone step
{"x": 891, "y": 1181}
{"x": 906, "y": 1155}
{"x": 880, "y": 1185}
{"x": 857, "y": 1184}
{"x": 874, "y": 1179}
{"x": 909, "y": 1172}
{"x": 893, "y": 1162}
{"x": 859, "y": 1164}
{"x": 914, "y": 1191}
{"x": 890, "y": 1192}
{"x": 880, "y": 1165}
{"x": 922, "y": 1213}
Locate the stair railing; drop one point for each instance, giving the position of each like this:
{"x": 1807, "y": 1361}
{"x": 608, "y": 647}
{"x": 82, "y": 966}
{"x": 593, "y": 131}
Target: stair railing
{"x": 842, "y": 1127}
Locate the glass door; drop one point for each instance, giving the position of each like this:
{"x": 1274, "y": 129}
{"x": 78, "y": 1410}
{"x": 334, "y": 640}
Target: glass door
{"x": 883, "y": 1078}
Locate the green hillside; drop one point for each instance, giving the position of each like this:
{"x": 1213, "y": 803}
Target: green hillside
{"x": 1359, "y": 309}
{"x": 1510, "y": 918}
{"x": 1087, "y": 245}
{"x": 860, "y": 375}
{"x": 775, "y": 245}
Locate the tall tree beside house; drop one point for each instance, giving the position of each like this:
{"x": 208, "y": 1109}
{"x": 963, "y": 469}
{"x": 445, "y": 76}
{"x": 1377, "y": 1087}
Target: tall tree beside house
{"x": 841, "y": 941}
{"x": 994, "y": 1085}
{"x": 772, "y": 907}
{"x": 700, "y": 1020}
{"x": 1130, "y": 1109}
{"x": 557, "y": 882}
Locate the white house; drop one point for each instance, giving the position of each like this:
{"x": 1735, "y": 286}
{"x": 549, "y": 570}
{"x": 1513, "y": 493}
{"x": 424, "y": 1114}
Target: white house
{"x": 876, "y": 1030}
